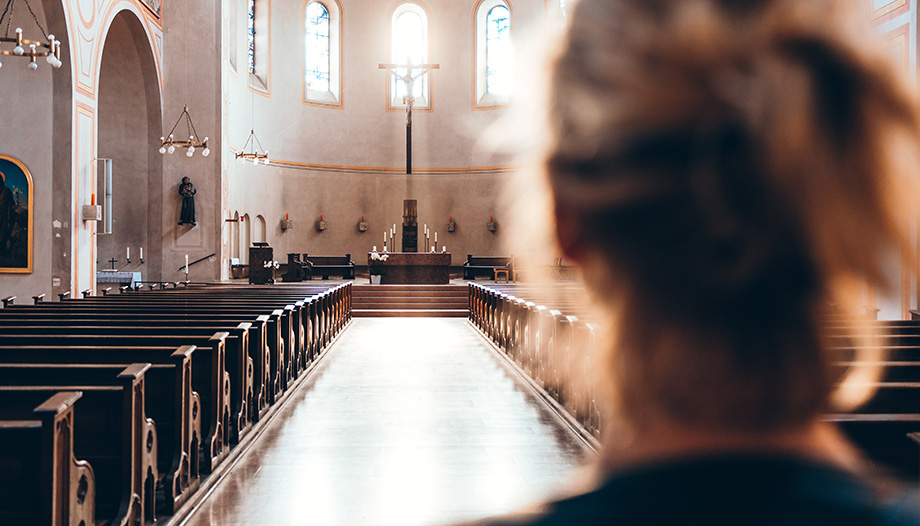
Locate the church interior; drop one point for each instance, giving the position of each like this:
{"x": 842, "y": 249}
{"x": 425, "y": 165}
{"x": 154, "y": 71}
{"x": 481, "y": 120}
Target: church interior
{"x": 215, "y": 176}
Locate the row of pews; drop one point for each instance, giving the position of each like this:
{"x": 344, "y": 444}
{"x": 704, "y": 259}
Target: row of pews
{"x": 555, "y": 348}
{"x": 114, "y": 409}
{"x": 552, "y": 348}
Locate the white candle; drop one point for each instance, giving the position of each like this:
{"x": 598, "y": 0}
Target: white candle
{"x": 128, "y": 255}
{"x": 435, "y": 238}
{"x": 142, "y": 252}
{"x": 375, "y": 248}
{"x": 186, "y": 263}
{"x": 443, "y": 248}
{"x": 394, "y": 228}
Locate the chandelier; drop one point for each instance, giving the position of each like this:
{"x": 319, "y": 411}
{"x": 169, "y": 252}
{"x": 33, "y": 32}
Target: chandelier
{"x": 30, "y": 49}
{"x": 256, "y": 154}
{"x": 169, "y": 143}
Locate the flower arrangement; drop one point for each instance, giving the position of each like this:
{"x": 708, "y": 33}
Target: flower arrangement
{"x": 375, "y": 268}
{"x": 274, "y": 265}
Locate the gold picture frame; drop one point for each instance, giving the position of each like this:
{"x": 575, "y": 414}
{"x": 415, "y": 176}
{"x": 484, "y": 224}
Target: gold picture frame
{"x": 16, "y": 216}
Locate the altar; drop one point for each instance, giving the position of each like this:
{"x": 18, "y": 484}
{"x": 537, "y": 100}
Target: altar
{"x": 414, "y": 268}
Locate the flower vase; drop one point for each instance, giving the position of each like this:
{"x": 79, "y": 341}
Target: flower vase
{"x": 375, "y": 279}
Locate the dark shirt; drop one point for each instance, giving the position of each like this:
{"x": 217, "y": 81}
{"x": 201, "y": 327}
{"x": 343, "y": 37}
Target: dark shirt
{"x": 749, "y": 490}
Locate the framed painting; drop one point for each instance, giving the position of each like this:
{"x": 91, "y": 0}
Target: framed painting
{"x": 16, "y": 230}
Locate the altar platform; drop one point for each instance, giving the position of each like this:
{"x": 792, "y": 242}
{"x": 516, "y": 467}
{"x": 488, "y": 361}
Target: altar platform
{"x": 414, "y": 268}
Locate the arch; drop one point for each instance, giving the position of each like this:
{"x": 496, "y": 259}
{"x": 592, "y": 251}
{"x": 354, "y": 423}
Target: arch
{"x": 235, "y": 236}
{"x": 409, "y": 39}
{"x": 260, "y": 230}
{"x": 492, "y": 53}
{"x": 323, "y": 34}
{"x": 129, "y": 91}
{"x": 245, "y": 238}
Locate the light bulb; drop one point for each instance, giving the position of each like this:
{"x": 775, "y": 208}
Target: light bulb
{"x": 172, "y": 149}
{"x": 162, "y": 149}
{"x": 33, "y": 65}
{"x": 50, "y": 59}
{"x": 18, "y": 51}
{"x": 206, "y": 152}
{"x": 1, "y": 64}
{"x": 190, "y": 153}
{"x": 265, "y": 161}
{"x": 57, "y": 63}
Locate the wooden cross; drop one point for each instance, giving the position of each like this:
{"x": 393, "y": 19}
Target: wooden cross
{"x": 409, "y": 78}
{"x": 113, "y": 261}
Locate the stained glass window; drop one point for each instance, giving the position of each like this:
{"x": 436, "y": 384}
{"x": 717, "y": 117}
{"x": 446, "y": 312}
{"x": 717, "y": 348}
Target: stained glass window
{"x": 410, "y": 44}
{"x": 252, "y": 36}
{"x": 498, "y": 51}
{"x": 318, "y": 47}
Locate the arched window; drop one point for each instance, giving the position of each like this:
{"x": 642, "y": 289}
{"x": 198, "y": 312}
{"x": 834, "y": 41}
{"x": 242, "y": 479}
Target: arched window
{"x": 322, "y": 52}
{"x": 409, "y": 45}
{"x": 498, "y": 51}
{"x": 494, "y": 59}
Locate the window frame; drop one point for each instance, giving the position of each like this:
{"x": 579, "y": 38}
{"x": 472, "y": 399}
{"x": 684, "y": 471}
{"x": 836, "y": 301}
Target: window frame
{"x": 333, "y": 97}
{"x": 482, "y": 99}
{"x": 423, "y": 103}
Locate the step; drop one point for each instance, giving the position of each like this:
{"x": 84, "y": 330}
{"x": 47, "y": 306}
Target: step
{"x": 409, "y": 306}
{"x": 404, "y": 313}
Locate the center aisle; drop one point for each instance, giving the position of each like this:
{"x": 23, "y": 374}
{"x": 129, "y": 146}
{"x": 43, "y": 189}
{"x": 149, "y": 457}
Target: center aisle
{"x": 408, "y": 421}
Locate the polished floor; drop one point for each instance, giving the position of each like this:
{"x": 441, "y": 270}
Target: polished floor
{"x": 408, "y": 421}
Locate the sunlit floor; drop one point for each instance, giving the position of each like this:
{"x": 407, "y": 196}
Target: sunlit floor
{"x": 408, "y": 421}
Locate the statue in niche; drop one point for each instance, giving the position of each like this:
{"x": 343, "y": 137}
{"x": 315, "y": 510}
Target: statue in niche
{"x": 187, "y": 191}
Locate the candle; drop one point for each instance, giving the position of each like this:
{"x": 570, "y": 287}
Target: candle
{"x": 443, "y": 248}
{"x": 384, "y": 239}
{"x": 321, "y": 217}
{"x": 490, "y": 219}
{"x": 186, "y": 263}
{"x": 93, "y": 199}
{"x": 128, "y": 255}
{"x": 435, "y": 238}
{"x": 450, "y": 219}
{"x": 375, "y": 248}
{"x": 142, "y": 253}
{"x": 286, "y": 216}
{"x": 362, "y": 219}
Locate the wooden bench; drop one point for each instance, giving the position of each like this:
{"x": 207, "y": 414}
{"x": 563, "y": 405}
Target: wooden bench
{"x": 170, "y": 402}
{"x": 485, "y": 266}
{"x": 41, "y": 481}
{"x": 110, "y": 429}
{"x": 326, "y": 266}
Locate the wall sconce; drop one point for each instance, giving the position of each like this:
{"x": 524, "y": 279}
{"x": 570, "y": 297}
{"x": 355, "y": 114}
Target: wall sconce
{"x": 320, "y": 225}
{"x": 286, "y": 223}
{"x": 491, "y": 225}
{"x": 92, "y": 212}
{"x": 362, "y": 226}
{"x": 451, "y": 226}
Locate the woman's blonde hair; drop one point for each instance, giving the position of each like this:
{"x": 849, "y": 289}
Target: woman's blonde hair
{"x": 725, "y": 169}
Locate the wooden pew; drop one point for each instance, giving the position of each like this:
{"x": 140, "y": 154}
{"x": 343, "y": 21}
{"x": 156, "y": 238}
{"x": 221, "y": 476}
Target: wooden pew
{"x": 209, "y": 376}
{"x": 484, "y": 265}
{"x": 326, "y": 266}
{"x": 110, "y": 429}
{"x": 41, "y": 481}
{"x": 170, "y": 402}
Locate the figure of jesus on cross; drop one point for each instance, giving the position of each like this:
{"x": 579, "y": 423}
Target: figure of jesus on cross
{"x": 412, "y": 72}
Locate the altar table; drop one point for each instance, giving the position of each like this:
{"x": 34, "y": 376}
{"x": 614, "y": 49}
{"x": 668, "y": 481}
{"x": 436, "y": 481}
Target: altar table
{"x": 415, "y": 268}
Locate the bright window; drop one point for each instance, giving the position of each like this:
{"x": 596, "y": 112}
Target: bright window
{"x": 409, "y": 45}
{"x": 498, "y": 51}
{"x": 493, "y": 80}
{"x": 318, "y": 47}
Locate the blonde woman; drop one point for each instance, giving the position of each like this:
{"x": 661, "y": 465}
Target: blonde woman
{"x": 722, "y": 171}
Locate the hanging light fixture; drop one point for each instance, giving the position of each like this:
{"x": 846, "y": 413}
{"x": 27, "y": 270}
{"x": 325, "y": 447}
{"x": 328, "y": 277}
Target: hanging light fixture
{"x": 30, "y": 49}
{"x": 169, "y": 143}
{"x": 252, "y": 150}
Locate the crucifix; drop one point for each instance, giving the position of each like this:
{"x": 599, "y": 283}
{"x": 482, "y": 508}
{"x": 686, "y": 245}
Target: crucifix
{"x": 113, "y": 261}
{"x": 412, "y": 73}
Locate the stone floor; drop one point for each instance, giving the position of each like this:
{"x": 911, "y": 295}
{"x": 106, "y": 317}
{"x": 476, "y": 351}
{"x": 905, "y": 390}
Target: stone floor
{"x": 406, "y": 422}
